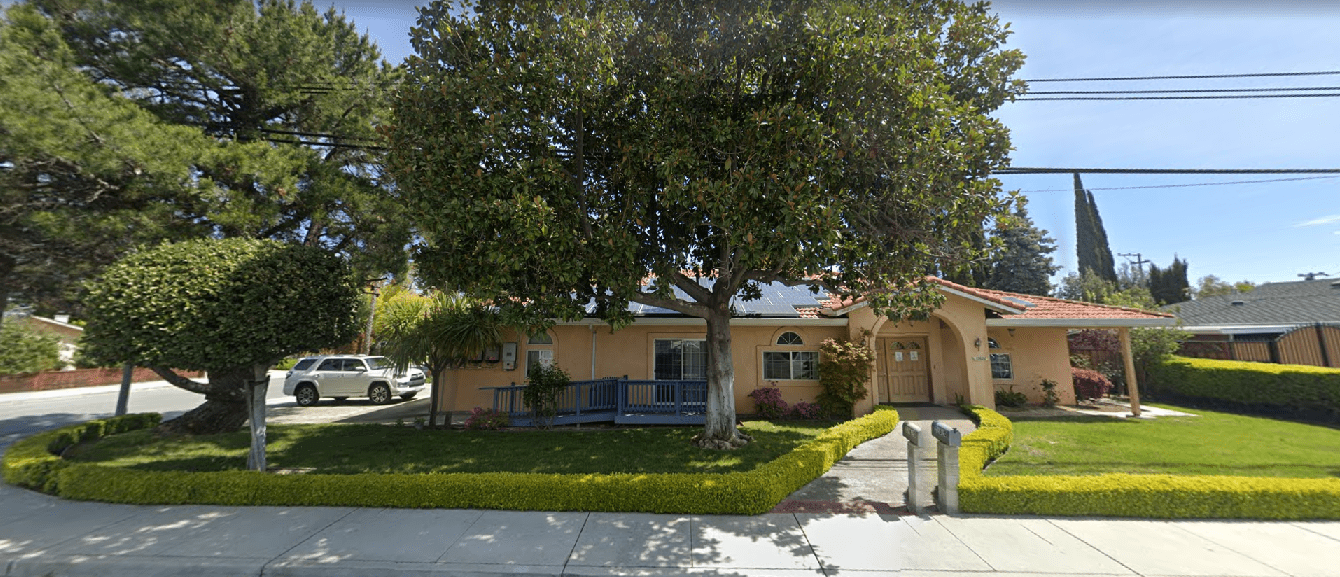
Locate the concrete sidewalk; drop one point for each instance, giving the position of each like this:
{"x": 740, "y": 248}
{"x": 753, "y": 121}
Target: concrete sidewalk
{"x": 41, "y": 535}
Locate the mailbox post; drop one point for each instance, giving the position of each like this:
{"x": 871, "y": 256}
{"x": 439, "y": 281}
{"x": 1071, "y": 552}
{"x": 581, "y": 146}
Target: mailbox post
{"x": 913, "y": 434}
{"x": 950, "y": 439}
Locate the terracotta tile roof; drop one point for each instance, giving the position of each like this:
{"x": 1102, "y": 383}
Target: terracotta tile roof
{"x": 1032, "y": 307}
{"x": 808, "y": 312}
{"x": 1054, "y": 308}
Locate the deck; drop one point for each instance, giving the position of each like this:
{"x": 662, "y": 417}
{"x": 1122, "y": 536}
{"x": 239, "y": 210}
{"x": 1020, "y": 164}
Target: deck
{"x": 614, "y": 400}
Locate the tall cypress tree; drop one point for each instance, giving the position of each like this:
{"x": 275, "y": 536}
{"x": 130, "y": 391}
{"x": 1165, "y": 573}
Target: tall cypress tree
{"x": 1090, "y": 237}
{"x": 1169, "y": 285}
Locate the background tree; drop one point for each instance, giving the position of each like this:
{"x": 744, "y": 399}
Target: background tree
{"x": 555, "y": 153}
{"x": 1211, "y": 285}
{"x": 1086, "y": 286}
{"x": 221, "y": 306}
{"x": 23, "y": 350}
{"x": 86, "y": 174}
{"x": 440, "y": 331}
{"x": 289, "y": 99}
{"x": 1091, "y": 244}
{"x": 1169, "y": 286}
{"x": 1021, "y": 263}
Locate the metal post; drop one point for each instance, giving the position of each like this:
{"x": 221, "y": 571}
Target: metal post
{"x": 913, "y": 434}
{"x": 950, "y": 440}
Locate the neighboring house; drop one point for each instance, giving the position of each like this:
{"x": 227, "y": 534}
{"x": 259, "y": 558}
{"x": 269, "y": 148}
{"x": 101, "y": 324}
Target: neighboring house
{"x": 1287, "y": 322}
{"x": 978, "y": 341}
{"x": 58, "y": 327}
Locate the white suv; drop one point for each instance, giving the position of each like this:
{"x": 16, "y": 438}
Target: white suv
{"x": 344, "y": 376}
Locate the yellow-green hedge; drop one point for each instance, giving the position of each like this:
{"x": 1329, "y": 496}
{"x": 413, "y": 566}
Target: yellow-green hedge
{"x": 1121, "y": 495}
{"x": 1290, "y": 388}
{"x": 757, "y": 491}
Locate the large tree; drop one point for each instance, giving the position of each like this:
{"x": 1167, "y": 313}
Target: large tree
{"x": 1169, "y": 285}
{"x": 1021, "y": 263}
{"x": 221, "y": 306}
{"x": 289, "y": 98}
{"x": 678, "y": 154}
{"x": 1091, "y": 244}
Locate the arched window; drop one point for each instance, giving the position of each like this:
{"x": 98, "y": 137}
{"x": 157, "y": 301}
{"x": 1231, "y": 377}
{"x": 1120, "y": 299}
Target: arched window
{"x": 540, "y": 339}
{"x": 789, "y": 338}
{"x": 992, "y": 344}
{"x": 898, "y": 346}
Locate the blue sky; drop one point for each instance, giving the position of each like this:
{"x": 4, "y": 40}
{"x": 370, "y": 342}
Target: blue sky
{"x": 1262, "y": 231}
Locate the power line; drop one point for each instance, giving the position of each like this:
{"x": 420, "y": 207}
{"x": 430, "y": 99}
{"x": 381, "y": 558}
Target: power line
{"x": 1038, "y": 170}
{"x": 1189, "y": 77}
{"x": 1190, "y": 91}
{"x": 1224, "y": 97}
{"x": 1191, "y": 184}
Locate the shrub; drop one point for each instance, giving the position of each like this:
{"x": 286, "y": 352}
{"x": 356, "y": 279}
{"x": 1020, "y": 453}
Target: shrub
{"x": 23, "y": 350}
{"x": 844, "y": 372}
{"x": 770, "y": 403}
{"x": 807, "y": 411}
{"x": 1089, "y": 384}
{"x": 1049, "y": 396}
{"x": 1122, "y": 495}
{"x": 743, "y": 493}
{"x": 482, "y": 419}
{"x": 1251, "y": 387}
{"x": 547, "y": 382}
{"x": 1010, "y": 398}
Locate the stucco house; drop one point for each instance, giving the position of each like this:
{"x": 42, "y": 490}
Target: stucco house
{"x": 976, "y": 342}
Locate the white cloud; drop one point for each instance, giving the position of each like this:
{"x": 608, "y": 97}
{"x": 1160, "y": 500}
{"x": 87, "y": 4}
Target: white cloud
{"x": 1323, "y": 220}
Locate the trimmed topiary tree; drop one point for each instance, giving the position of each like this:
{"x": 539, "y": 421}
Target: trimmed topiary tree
{"x": 228, "y": 307}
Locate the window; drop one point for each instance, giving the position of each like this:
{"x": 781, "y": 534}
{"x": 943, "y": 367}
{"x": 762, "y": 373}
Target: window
{"x": 790, "y": 365}
{"x": 540, "y": 339}
{"x": 331, "y": 365}
{"x": 303, "y": 365}
{"x": 789, "y": 338}
{"x": 992, "y": 344}
{"x": 680, "y": 359}
{"x": 1001, "y": 367}
{"x": 537, "y": 357}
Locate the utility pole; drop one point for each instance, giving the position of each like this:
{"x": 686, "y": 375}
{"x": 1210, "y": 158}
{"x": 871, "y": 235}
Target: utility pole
{"x": 1139, "y": 263}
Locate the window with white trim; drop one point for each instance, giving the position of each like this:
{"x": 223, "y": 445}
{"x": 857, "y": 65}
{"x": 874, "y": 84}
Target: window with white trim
{"x": 679, "y": 359}
{"x": 790, "y": 365}
{"x": 537, "y": 357}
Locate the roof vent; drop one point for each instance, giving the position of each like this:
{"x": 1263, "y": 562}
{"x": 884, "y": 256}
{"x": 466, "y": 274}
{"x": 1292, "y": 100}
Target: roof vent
{"x": 1238, "y": 303}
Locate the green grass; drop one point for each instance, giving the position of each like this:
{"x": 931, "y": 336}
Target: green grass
{"x": 350, "y": 449}
{"x": 1208, "y": 444}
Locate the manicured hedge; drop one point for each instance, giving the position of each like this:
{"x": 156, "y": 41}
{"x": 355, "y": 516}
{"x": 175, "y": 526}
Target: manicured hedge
{"x": 1120, "y": 495}
{"x": 1290, "y": 388}
{"x": 32, "y": 463}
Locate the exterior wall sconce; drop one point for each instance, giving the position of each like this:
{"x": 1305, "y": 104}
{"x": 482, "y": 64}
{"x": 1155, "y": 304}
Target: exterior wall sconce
{"x": 977, "y": 343}
{"x": 1011, "y": 331}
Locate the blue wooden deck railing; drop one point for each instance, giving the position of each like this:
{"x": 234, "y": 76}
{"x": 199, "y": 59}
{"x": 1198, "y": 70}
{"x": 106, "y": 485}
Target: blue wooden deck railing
{"x": 614, "y": 400}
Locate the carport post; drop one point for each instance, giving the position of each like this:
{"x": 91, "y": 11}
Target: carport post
{"x": 913, "y": 434}
{"x": 950, "y": 440}
{"x": 1132, "y": 387}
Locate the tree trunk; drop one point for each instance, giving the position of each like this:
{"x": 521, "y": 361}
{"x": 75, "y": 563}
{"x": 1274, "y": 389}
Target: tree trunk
{"x": 256, "y": 389}
{"x": 7, "y": 264}
{"x": 225, "y": 406}
{"x": 719, "y": 430}
{"x": 433, "y": 397}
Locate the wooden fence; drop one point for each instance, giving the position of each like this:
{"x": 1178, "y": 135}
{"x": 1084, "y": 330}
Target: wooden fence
{"x": 1316, "y": 345}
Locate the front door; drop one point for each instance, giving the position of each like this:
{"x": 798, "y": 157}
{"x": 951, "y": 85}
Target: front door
{"x": 903, "y": 370}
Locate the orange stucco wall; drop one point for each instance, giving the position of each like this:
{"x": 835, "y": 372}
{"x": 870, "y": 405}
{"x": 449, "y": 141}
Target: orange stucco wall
{"x": 629, "y": 352}
{"x": 1035, "y": 354}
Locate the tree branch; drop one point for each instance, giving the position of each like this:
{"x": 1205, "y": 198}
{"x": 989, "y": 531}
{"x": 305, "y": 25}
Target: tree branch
{"x": 179, "y": 381}
{"x": 691, "y": 309}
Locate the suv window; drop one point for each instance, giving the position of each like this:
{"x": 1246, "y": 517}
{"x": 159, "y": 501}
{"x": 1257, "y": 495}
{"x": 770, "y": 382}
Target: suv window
{"x": 378, "y": 363}
{"x": 353, "y": 365}
{"x": 304, "y": 365}
{"x": 330, "y": 365}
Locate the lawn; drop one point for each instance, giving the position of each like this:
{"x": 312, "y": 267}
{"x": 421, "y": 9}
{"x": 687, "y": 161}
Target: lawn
{"x": 349, "y": 449}
{"x": 1208, "y": 444}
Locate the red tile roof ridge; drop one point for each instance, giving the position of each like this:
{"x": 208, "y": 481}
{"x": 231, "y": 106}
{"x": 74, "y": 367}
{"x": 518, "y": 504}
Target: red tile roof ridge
{"x": 1028, "y": 297}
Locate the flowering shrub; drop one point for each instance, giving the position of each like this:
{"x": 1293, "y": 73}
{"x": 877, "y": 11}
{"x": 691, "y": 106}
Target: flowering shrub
{"x": 844, "y": 372}
{"x": 1089, "y": 384}
{"x": 482, "y": 419}
{"x": 770, "y": 403}
{"x": 807, "y": 411}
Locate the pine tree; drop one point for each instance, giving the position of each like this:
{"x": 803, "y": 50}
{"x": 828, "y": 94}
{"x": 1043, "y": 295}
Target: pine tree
{"x": 1022, "y": 264}
{"x": 1091, "y": 244}
{"x": 1170, "y": 285}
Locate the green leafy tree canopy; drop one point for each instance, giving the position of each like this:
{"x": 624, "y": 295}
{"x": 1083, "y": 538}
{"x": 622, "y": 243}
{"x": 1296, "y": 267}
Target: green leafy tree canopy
{"x": 556, "y": 153}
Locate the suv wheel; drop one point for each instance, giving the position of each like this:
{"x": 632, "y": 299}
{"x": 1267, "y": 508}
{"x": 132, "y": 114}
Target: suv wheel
{"x": 379, "y": 394}
{"x": 306, "y": 395}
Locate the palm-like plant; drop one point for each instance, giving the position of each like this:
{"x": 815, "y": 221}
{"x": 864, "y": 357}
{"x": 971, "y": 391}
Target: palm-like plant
{"x": 439, "y": 331}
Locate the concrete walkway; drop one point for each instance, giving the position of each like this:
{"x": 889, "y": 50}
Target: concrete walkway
{"x": 44, "y": 536}
{"x": 872, "y": 478}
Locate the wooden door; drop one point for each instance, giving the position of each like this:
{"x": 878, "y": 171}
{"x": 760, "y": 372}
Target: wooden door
{"x": 904, "y": 375}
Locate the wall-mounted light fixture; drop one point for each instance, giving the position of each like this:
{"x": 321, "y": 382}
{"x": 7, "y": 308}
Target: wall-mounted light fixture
{"x": 977, "y": 343}
{"x": 1011, "y": 331}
